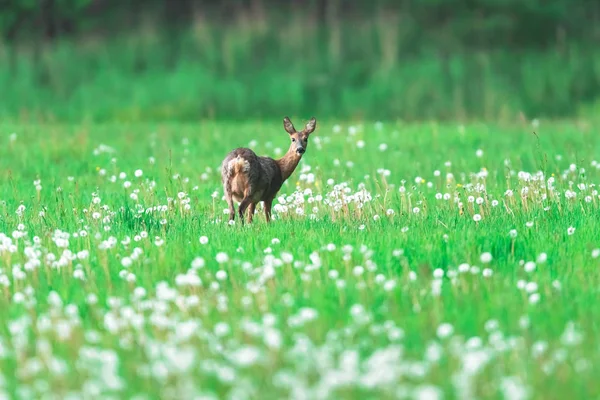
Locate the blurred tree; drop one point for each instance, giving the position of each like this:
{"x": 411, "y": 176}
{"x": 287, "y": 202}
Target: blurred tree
{"x": 14, "y": 15}
{"x": 471, "y": 23}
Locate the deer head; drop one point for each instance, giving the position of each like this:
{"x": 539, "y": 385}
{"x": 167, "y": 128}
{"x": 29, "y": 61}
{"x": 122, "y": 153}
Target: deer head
{"x": 299, "y": 139}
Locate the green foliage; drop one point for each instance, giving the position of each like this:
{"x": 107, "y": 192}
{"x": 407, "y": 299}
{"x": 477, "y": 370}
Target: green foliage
{"x": 233, "y": 75}
{"x": 185, "y": 60}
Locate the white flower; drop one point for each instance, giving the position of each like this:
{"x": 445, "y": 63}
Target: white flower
{"x": 477, "y": 217}
{"x": 494, "y": 203}
{"x": 79, "y": 274}
{"x": 287, "y": 257}
{"x": 534, "y": 298}
{"x": 486, "y": 257}
{"x": 383, "y": 147}
{"x": 221, "y": 329}
{"x": 272, "y": 338}
{"x": 513, "y": 233}
{"x": 416, "y": 210}
{"x": 389, "y": 285}
{"x": 245, "y": 356}
{"x": 531, "y": 287}
{"x": 595, "y": 253}
{"x": 138, "y": 173}
{"x": 479, "y": 153}
{"x": 198, "y": 263}
{"x": 126, "y": 262}
{"x": 542, "y": 258}
{"x": 570, "y": 230}
{"x": 308, "y": 314}
{"x": 529, "y": 266}
{"x": 445, "y": 330}
{"x": 91, "y": 298}
{"x": 221, "y": 275}
{"x": 222, "y": 257}
{"x": 464, "y": 267}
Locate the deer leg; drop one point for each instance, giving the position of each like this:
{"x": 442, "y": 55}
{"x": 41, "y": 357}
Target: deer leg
{"x": 231, "y": 208}
{"x": 229, "y": 199}
{"x": 242, "y": 208}
{"x": 268, "y": 204}
{"x": 251, "y": 209}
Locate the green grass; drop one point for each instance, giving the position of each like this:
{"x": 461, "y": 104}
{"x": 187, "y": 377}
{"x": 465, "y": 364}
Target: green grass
{"x": 346, "y": 300}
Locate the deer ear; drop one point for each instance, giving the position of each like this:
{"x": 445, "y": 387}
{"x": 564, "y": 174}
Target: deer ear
{"x": 288, "y": 126}
{"x": 310, "y": 126}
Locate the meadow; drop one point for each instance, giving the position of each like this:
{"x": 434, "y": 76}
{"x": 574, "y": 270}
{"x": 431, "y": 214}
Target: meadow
{"x": 404, "y": 261}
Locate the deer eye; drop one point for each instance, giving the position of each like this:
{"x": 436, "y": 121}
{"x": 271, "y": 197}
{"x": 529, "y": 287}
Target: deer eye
{"x": 293, "y": 139}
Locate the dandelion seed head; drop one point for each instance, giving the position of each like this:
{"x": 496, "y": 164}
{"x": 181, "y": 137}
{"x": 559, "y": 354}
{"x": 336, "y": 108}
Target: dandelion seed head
{"x": 486, "y": 257}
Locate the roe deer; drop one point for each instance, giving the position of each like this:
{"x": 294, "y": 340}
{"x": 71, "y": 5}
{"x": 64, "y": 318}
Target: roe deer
{"x": 250, "y": 179}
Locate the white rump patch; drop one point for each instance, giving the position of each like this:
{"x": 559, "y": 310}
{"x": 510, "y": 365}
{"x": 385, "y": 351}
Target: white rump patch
{"x": 239, "y": 164}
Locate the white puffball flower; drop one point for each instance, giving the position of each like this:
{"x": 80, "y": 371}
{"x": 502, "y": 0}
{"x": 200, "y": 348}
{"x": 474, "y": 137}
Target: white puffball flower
{"x": 445, "y": 330}
{"x": 486, "y": 257}
{"x": 221, "y": 275}
{"x": 529, "y": 266}
{"x": 222, "y": 258}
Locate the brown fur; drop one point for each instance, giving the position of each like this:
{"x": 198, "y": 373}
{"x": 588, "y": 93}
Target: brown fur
{"x": 249, "y": 179}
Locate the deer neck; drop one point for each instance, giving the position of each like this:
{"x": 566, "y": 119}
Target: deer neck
{"x": 288, "y": 163}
